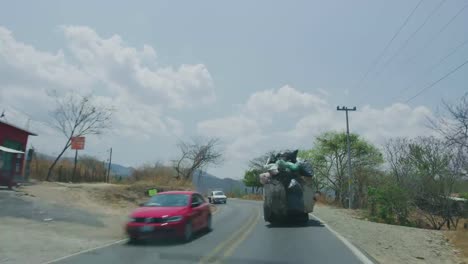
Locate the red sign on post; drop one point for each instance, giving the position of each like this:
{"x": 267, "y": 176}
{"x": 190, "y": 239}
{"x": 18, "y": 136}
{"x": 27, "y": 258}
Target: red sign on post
{"x": 77, "y": 143}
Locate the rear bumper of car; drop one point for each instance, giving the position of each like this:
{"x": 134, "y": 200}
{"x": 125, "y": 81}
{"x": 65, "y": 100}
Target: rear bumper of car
{"x": 218, "y": 200}
{"x": 155, "y": 230}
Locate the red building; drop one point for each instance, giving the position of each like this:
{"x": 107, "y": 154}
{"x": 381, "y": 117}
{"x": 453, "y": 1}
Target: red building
{"x": 13, "y": 142}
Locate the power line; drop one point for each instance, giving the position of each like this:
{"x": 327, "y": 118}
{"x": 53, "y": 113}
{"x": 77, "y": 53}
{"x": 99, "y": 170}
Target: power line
{"x": 377, "y": 60}
{"x": 441, "y": 30}
{"x": 411, "y": 36}
{"x": 435, "y": 65}
{"x": 436, "y": 82}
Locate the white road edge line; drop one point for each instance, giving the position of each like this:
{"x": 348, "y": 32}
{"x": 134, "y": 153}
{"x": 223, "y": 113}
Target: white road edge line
{"x": 86, "y": 251}
{"x": 93, "y": 249}
{"x": 363, "y": 258}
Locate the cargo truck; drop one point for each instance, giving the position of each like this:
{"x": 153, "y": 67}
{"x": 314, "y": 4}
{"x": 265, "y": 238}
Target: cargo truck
{"x": 289, "y": 193}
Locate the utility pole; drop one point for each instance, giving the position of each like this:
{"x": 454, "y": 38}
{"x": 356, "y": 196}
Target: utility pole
{"x": 74, "y": 166}
{"x": 109, "y": 168}
{"x": 346, "y": 109}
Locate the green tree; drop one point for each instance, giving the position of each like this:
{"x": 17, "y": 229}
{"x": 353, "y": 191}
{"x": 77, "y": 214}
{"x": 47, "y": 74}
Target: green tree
{"x": 329, "y": 158}
{"x": 252, "y": 180}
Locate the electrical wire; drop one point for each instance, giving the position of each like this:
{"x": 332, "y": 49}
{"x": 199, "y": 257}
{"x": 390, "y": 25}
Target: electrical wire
{"x": 405, "y": 43}
{"x": 377, "y": 60}
{"x": 436, "y": 82}
{"x": 441, "y": 30}
{"x": 434, "y": 66}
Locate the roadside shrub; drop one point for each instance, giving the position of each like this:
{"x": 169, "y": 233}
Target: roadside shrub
{"x": 389, "y": 203}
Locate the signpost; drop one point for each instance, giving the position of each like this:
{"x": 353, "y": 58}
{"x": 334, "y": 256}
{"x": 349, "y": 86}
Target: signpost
{"x": 77, "y": 143}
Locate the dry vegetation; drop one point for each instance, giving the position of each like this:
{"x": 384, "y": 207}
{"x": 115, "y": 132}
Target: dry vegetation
{"x": 459, "y": 238}
{"x": 88, "y": 169}
{"x": 256, "y": 197}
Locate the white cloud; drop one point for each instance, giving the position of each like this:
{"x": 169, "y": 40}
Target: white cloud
{"x": 228, "y": 127}
{"x": 284, "y": 99}
{"x": 124, "y": 68}
{"x": 176, "y": 127}
{"x": 129, "y": 78}
{"x": 25, "y": 65}
{"x": 310, "y": 114}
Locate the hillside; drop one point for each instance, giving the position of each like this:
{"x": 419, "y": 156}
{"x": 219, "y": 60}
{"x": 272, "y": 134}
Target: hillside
{"x": 119, "y": 170}
{"x": 205, "y": 182}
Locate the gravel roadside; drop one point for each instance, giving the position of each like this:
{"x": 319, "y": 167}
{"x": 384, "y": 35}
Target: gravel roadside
{"x": 47, "y": 221}
{"x": 389, "y": 243}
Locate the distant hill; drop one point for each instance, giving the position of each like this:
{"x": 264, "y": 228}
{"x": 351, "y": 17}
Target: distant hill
{"x": 119, "y": 170}
{"x": 205, "y": 182}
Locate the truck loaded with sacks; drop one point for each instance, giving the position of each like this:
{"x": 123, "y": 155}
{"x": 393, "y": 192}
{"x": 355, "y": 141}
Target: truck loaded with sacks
{"x": 289, "y": 193}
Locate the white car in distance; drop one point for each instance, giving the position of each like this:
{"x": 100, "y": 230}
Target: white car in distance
{"x": 217, "y": 197}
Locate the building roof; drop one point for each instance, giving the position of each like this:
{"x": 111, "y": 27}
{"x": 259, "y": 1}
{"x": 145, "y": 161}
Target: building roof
{"x": 9, "y": 150}
{"x": 19, "y": 128}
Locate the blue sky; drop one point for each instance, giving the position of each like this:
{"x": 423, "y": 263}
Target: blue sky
{"x": 257, "y": 74}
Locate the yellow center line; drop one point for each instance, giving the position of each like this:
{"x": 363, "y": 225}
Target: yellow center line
{"x": 232, "y": 239}
{"x": 229, "y": 250}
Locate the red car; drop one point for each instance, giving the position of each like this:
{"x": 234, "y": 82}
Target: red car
{"x": 176, "y": 214}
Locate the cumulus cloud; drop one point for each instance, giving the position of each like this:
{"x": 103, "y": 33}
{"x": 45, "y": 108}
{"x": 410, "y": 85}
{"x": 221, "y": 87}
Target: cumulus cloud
{"x": 297, "y": 117}
{"x": 128, "y": 78}
{"x": 122, "y": 67}
{"x": 284, "y": 99}
{"x": 229, "y": 127}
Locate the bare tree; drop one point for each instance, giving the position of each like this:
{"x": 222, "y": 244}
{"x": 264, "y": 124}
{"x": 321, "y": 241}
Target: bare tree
{"x": 397, "y": 153}
{"x": 77, "y": 116}
{"x": 257, "y": 164}
{"x": 438, "y": 167}
{"x": 455, "y": 127}
{"x": 197, "y": 155}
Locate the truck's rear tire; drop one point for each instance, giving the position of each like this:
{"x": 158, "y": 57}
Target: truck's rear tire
{"x": 266, "y": 214}
{"x": 304, "y": 219}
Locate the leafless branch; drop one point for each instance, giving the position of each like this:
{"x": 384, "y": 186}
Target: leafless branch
{"x": 77, "y": 116}
{"x": 197, "y": 155}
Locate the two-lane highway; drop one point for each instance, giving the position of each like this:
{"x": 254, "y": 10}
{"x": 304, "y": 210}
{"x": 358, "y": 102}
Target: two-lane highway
{"x": 239, "y": 236}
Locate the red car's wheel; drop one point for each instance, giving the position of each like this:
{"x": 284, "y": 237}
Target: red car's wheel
{"x": 188, "y": 232}
{"x": 133, "y": 240}
{"x": 209, "y": 224}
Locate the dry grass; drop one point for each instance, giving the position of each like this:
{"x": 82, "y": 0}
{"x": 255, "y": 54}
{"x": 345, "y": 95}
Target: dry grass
{"x": 459, "y": 238}
{"x": 256, "y": 197}
{"x": 88, "y": 169}
{"x": 135, "y": 193}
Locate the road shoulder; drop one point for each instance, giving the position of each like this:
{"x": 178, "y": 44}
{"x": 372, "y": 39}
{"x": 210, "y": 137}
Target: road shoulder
{"x": 389, "y": 243}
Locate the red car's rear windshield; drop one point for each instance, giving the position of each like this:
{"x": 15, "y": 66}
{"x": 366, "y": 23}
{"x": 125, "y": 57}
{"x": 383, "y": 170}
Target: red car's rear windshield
{"x": 168, "y": 200}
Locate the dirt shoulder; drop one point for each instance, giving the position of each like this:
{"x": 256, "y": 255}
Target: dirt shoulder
{"x": 69, "y": 217}
{"x": 389, "y": 243}
{"x": 45, "y": 221}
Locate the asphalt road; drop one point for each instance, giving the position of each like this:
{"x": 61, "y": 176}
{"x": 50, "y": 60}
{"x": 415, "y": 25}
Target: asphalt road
{"x": 239, "y": 235}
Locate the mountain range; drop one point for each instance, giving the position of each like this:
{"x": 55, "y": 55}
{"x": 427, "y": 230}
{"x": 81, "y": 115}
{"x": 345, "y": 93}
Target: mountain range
{"x": 205, "y": 182}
